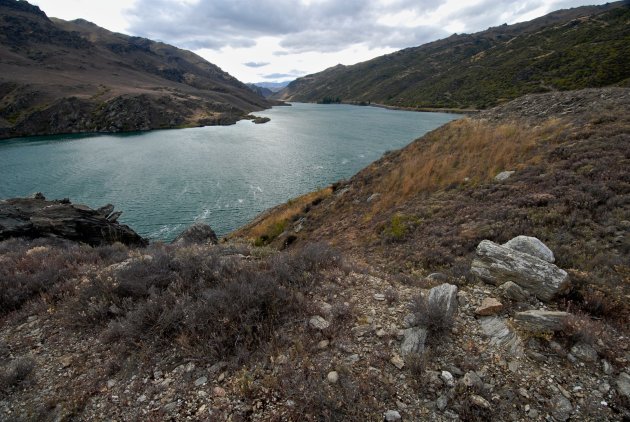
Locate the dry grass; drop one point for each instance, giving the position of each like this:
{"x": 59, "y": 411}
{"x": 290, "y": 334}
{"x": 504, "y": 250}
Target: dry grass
{"x": 272, "y": 223}
{"x": 465, "y": 151}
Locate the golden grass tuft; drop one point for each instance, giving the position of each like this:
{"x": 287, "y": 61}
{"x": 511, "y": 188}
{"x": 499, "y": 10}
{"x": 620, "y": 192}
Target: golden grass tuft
{"x": 272, "y": 221}
{"x": 464, "y": 150}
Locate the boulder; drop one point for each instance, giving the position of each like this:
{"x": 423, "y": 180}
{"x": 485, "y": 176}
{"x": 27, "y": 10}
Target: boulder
{"x": 541, "y": 321}
{"x": 413, "y": 341}
{"x": 532, "y": 246}
{"x": 584, "y": 352}
{"x": 197, "y": 234}
{"x": 498, "y": 264}
{"x": 37, "y": 217}
{"x": 443, "y": 297}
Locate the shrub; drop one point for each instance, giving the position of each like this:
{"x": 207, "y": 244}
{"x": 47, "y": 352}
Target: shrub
{"x": 432, "y": 315}
{"x": 16, "y": 372}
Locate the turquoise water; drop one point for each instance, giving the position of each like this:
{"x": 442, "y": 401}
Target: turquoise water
{"x": 223, "y": 175}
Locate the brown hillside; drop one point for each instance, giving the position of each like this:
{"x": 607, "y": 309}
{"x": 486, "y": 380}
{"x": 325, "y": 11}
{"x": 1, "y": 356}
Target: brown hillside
{"x": 62, "y": 77}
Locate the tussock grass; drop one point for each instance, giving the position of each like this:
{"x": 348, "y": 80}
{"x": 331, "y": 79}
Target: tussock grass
{"x": 271, "y": 224}
{"x": 464, "y": 151}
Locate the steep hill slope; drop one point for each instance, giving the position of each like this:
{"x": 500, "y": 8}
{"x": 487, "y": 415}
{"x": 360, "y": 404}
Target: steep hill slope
{"x": 568, "y": 49}
{"x": 61, "y": 77}
{"x": 426, "y": 207}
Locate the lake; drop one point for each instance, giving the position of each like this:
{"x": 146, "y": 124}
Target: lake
{"x": 165, "y": 180}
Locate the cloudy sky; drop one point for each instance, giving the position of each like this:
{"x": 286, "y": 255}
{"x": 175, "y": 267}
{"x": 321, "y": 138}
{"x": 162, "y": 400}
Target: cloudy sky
{"x": 274, "y": 40}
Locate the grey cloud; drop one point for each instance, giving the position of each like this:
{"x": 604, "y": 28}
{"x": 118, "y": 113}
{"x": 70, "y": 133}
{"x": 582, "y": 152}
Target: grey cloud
{"x": 256, "y": 64}
{"x": 319, "y": 26}
{"x": 326, "y": 25}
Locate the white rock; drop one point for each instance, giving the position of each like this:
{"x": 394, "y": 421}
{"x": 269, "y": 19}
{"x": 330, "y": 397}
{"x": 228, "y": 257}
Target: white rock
{"x": 392, "y": 415}
{"x": 504, "y": 175}
{"x": 623, "y": 384}
{"x": 448, "y": 378}
{"x": 413, "y": 341}
{"x": 332, "y": 377}
{"x": 318, "y": 323}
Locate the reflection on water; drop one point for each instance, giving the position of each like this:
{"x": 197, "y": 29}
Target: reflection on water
{"x": 223, "y": 175}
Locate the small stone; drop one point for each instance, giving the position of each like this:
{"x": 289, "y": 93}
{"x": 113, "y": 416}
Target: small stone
{"x": 472, "y": 380}
{"x": 513, "y": 366}
{"x": 397, "y": 361}
{"x": 352, "y": 359}
{"x": 221, "y": 377}
{"x": 201, "y": 381}
{"x": 201, "y": 409}
{"x": 561, "y": 407}
{"x": 604, "y": 388}
{"x": 332, "y": 377}
{"x": 504, "y": 175}
{"x": 533, "y": 414}
{"x": 218, "y": 392}
{"x": 142, "y": 399}
{"x": 489, "y": 306}
{"x": 441, "y": 402}
{"x": 392, "y": 415}
{"x": 523, "y": 392}
{"x": 607, "y": 368}
{"x": 379, "y": 296}
{"x": 323, "y": 344}
{"x": 448, "y": 379}
{"x": 170, "y": 407}
{"x": 381, "y": 333}
{"x": 361, "y": 330}
{"x": 513, "y": 291}
{"x": 318, "y": 323}
{"x": 623, "y": 384}
{"x": 66, "y": 361}
{"x": 479, "y": 401}
{"x": 584, "y": 352}
{"x": 373, "y": 197}
{"x": 111, "y": 383}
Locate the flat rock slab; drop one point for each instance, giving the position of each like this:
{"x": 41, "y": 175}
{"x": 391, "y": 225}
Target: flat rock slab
{"x": 501, "y": 335}
{"x": 37, "y": 217}
{"x": 498, "y": 264}
{"x": 541, "y": 321}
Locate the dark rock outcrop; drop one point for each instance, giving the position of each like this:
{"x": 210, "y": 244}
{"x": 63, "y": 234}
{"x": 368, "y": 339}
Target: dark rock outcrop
{"x": 37, "y": 217}
{"x": 197, "y": 234}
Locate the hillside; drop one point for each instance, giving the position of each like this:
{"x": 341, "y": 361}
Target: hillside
{"x": 400, "y": 319}
{"x": 568, "y": 49}
{"x": 66, "y": 77}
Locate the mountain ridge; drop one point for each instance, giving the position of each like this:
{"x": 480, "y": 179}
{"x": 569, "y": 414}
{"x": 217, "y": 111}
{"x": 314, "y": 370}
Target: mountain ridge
{"x": 566, "y": 49}
{"x": 61, "y": 76}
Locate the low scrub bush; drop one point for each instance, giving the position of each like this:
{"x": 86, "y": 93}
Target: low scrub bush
{"x": 16, "y": 372}
{"x": 29, "y": 268}
{"x": 210, "y": 303}
{"x": 432, "y": 315}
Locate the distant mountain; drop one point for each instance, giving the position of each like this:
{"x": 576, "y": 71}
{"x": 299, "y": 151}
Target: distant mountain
{"x": 568, "y": 49}
{"x": 273, "y": 86}
{"x": 62, "y": 77}
{"x": 263, "y": 92}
